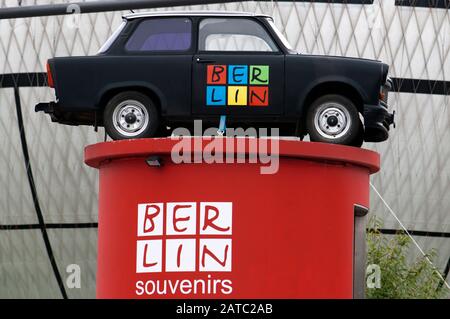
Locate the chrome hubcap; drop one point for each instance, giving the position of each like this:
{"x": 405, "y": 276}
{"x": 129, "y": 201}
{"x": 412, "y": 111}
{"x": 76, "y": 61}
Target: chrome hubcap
{"x": 332, "y": 120}
{"x": 130, "y": 118}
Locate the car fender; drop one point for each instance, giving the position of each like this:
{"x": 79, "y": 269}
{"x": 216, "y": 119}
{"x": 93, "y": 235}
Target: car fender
{"x": 123, "y": 86}
{"x": 328, "y": 79}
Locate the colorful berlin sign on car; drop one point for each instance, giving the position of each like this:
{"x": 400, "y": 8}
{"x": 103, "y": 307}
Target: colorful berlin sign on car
{"x": 237, "y": 85}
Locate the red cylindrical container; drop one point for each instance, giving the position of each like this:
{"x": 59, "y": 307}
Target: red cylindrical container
{"x": 224, "y": 230}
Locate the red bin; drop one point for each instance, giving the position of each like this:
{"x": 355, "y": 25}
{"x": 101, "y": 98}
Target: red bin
{"x": 224, "y": 230}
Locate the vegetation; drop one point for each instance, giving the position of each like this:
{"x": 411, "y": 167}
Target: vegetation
{"x": 400, "y": 278}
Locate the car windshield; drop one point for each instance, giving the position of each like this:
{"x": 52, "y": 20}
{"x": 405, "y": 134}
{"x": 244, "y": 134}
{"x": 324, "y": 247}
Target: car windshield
{"x": 280, "y": 35}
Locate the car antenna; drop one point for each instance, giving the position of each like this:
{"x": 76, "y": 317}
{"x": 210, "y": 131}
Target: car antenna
{"x": 132, "y": 11}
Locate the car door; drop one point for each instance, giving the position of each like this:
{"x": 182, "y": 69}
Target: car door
{"x": 158, "y": 56}
{"x": 238, "y": 69}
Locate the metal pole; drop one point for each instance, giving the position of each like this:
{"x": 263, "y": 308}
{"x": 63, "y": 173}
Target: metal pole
{"x": 96, "y": 6}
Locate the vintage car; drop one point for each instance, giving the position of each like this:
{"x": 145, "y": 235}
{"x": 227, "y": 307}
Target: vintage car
{"x": 161, "y": 70}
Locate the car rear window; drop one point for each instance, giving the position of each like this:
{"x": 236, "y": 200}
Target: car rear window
{"x": 165, "y": 34}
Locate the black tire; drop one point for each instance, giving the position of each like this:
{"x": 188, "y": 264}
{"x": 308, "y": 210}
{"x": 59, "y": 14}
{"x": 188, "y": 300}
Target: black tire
{"x": 359, "y": 140}
{"x": 333, "y": 119}
{"x": 130, "y": 115}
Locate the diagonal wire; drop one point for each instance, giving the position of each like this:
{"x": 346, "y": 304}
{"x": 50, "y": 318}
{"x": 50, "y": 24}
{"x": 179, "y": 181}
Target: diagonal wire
{"x": 410, "y": 236}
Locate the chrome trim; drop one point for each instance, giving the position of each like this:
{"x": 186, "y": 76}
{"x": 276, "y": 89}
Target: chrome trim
{"x": 107, "y": 45}
{"x": 389, "y": 83}
{"x": 192, "y": 13}
{"x": 387, "y": 86}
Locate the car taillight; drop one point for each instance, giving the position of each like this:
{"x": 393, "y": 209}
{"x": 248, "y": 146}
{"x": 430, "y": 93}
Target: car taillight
{"x": 50, "y": 76}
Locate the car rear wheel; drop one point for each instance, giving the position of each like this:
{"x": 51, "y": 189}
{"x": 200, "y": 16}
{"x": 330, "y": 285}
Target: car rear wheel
{"x": 130, "y": 115}
{"x": 333, "y": 119}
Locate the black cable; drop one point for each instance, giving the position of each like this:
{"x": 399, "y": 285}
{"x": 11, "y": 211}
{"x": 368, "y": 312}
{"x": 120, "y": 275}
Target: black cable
{"x": 34, "y": 194}
{"x": 97, "y": 6}
{"x": 423, "y": 233}
{"x": 49, "y": 226}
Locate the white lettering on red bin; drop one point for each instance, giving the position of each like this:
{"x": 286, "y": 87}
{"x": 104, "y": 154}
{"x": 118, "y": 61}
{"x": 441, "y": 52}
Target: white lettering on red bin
{"x": 194, "y": 237}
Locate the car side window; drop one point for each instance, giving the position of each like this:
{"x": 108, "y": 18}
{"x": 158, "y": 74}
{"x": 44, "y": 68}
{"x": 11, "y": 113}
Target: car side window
{"x": 234, "y": 34}
{"x": 165, "y": 34}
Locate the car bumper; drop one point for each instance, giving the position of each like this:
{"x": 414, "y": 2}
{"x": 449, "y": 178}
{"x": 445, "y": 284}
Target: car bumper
{"x": 48, "y": 108}
{"x": 67, "y": 116}
{"x": 377, "y": 121}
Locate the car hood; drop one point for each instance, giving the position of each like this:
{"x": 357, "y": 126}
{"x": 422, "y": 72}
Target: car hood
{"x": 348, "y": 61}
{"x": 337, "y": 57}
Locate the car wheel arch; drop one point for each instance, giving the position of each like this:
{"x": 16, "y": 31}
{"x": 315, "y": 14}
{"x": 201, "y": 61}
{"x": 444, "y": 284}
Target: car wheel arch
{"x": 152, "y": 92}
{"x": 349, "y": 90}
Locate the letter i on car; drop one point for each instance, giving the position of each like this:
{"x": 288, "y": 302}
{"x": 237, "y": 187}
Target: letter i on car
{"x": 162, "y": 70}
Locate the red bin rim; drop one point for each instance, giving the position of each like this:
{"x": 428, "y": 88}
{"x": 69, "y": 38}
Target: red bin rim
{"x": 96, "y": 154}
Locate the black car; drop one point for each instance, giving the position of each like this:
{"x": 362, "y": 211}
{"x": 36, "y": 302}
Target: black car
{"x": 161, "y": 70}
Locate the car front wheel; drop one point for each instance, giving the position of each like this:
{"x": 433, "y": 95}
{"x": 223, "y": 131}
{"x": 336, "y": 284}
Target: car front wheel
{"x": 130, "y": 115}
{"x": 333, "y": 119}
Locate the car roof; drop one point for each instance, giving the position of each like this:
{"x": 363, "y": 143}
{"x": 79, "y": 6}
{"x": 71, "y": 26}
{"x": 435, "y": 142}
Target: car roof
{"x": 192, "y": 13}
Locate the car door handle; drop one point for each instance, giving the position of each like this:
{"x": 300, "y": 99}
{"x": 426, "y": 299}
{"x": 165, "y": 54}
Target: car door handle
{"x": 199, "y": 60}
